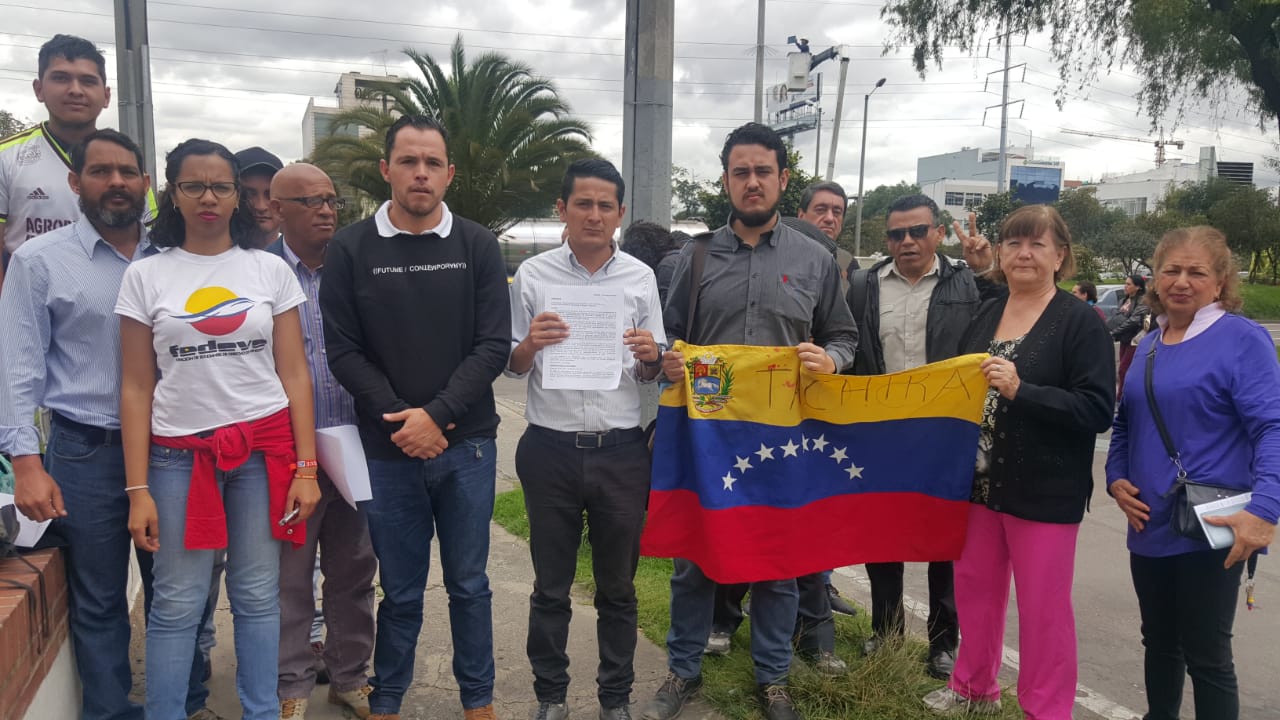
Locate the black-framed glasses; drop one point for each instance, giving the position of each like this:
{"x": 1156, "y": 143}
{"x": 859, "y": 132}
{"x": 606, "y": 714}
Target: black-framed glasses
{"x": 196, "y": 190}
{"x": 316, "y": 201}
{"x": 918, "y": 232}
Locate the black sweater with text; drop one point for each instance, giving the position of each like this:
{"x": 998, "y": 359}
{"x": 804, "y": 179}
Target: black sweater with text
{"x": 417, "y": 321}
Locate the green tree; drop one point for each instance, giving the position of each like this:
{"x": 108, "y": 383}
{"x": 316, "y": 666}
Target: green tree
{"x": 1251, "y": 223}
{"x": 1129, "y": 245}
{"x": 878, "y": 200}
{"x": 685, "y": 203}
{"x": 1087, "y": 266}
{"x": 11, "y": 125}
{"x": 992, "y": 211}
{"x": 1087, "y": 218}
{"x": 1183, "y": 50}
{"x": 510, "y": 136}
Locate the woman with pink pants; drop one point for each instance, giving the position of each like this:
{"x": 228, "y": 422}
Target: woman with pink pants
{"x": 1051, "y": 377}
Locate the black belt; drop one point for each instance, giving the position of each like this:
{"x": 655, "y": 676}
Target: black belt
{"x": 590, "y": 440}
{"x": 92, "y": 434}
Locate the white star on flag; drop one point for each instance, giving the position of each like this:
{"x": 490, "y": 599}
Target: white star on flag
{"x": 729, "y": 480}
{"x": 804, "y": 442}
{"x": 854, "y": 471}
{"x": 820, "y": 443}
{"x": 765, "y": 453}
{"x": 789, "y": 450}
{"x": 839, "y": 456}
{"x": 743, "y": 464}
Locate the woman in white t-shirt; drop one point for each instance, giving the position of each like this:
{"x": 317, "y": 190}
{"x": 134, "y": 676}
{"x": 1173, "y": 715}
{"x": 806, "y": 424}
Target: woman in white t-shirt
{"x": 216, "y": 415}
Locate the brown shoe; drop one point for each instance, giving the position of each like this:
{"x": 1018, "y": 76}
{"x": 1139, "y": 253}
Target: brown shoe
{"x": 480, "y": 713}
{"x": 357, "y": 700}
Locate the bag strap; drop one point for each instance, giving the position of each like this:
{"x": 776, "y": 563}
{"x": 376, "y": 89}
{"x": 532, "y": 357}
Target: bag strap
{"x": 1174, "y": 456}
{"x": 858, "y": 293}
{"x": 700, "y": 250}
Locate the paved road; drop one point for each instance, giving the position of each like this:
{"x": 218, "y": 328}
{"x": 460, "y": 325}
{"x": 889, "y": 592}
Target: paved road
{"x": 1107, "y": 610}
{"x": 1274, "y": 329}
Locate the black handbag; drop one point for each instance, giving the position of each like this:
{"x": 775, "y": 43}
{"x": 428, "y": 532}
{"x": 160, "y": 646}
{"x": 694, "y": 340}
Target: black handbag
{"x": 1187, "y": 493}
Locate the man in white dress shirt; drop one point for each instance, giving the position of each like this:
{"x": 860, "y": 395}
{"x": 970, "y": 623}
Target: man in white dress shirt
{"x": 584, "y": 449}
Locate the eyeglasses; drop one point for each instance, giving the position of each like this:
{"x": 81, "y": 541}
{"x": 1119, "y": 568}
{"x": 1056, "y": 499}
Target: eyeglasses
{"x": 918, "y": 232}
{"x": 196, "y": 190}
{"x": 315, "y": 202}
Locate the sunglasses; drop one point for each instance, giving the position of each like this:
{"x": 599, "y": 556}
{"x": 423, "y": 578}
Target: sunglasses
{"x": 918, "y": 232}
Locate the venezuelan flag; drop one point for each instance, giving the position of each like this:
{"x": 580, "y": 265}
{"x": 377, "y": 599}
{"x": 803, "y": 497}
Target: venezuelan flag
{"x": 764, "y": 471}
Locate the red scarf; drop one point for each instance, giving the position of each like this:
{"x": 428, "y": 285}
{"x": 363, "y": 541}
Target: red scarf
{"x": 227, "y": 449}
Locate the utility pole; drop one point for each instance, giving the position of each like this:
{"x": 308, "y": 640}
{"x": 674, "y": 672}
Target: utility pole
{"x": 759, "y": 108}
{"x": 1002, "y": 182}
{"x": 835, "y": 124}
{"x": 646, "y": 114}
{"x": 133, "y": 78}
{"x": 862, "y": 166}
{"x": 817, "y": 140}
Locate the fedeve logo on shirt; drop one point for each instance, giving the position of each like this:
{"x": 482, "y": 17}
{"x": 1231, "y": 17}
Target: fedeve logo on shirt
{"x": 216, "y": 311}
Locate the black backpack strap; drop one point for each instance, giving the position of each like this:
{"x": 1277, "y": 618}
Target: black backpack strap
{"x": 858, "y": 293}
{"x": 700, "y": 250}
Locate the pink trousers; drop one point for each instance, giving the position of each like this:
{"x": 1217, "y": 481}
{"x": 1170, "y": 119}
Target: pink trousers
{"x": 1040, "y": 557}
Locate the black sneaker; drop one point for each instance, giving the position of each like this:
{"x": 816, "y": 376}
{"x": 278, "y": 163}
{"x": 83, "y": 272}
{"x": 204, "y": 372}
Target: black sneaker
{"x": 671, "y": 697}
{"x": 838, "y": 603}
{"x": 777, "y": 703}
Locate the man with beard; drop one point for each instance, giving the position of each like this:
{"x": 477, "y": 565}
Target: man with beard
{"x": 417, "y": 324}
{"x": 62, "y": 351}
{"x": 763, "y": 283}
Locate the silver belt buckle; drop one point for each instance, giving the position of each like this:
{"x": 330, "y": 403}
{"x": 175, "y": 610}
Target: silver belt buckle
{"x": 588, "y": 440}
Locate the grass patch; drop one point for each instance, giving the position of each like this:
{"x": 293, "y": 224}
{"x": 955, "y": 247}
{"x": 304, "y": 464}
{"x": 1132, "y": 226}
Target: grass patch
{"x": 1261, "y": 302}
{"x": 885, "y": 686}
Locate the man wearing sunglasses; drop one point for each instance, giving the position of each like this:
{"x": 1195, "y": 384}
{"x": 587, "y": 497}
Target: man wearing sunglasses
{"x": 912, "y": 309}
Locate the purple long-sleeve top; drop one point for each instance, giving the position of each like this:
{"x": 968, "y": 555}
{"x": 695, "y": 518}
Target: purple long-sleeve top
{"x": 1219, "y": 393}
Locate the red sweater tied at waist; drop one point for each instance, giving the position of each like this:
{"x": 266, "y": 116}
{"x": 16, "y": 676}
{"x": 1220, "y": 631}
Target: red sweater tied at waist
{"x": 227, "y": 448}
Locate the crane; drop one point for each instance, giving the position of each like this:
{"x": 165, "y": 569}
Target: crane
{"x": 1159, "y": 143}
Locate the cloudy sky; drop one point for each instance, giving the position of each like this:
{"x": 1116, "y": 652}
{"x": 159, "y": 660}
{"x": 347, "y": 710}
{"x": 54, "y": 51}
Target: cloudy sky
{"x": 240, "y": 73}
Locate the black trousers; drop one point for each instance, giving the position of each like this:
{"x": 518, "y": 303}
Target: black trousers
{"x": 886, "y": 604}
{"x": 728, "y": 610}
{"x": 815, "y": 627}
{"x": 611, "y": 486}
{"x": 1188, "y": 605}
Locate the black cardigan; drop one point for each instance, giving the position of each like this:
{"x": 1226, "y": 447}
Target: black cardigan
{"x": 1042, "y": 451}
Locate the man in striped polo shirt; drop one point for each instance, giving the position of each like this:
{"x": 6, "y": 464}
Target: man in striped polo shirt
{"x": 34, "y": 197}
{"x": 62, "y": 351}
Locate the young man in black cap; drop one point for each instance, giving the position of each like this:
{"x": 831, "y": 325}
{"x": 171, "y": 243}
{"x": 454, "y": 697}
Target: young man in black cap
{"x": 257, "y": 167}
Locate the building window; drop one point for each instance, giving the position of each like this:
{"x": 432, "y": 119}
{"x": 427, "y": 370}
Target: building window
{"x": 973, "y": 198}
{"x": 1132, "y": 207}
{"x": 954, "y": 199}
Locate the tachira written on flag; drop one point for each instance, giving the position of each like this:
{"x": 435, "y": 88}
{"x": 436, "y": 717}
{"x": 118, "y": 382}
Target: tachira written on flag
{"x": 764, "y": 471}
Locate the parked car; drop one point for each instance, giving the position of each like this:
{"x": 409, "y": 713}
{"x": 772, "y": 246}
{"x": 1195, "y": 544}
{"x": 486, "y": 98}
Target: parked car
{"x": 1109, "y": 297}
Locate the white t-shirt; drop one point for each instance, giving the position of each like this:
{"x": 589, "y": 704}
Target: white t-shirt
{"x": 211, "y": 318}
{"x": 34, "y": 195}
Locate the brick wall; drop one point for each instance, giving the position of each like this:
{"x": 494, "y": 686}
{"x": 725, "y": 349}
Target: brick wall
{"x": 26, "y": 648}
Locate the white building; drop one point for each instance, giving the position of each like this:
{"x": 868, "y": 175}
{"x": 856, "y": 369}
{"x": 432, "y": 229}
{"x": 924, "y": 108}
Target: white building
{"x": 318, "y": 119}
{"x": 1140, "y": 192}
{"x": 959, "y": 180}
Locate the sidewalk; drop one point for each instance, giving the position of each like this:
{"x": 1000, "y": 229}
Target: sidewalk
{"x": 434, "y": 694}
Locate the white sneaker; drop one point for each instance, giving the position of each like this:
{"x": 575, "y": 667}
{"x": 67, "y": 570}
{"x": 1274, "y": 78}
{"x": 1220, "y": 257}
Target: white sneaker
{"x": 293, "y": 709}
{"x": 948, "y": 702}
{"x": 717, "y": 644}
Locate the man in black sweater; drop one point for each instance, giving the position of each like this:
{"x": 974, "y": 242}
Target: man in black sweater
{"x": 417, "y": 324}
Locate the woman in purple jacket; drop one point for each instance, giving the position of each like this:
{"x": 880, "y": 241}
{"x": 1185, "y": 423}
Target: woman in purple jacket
{"x": 1217, "y": 386}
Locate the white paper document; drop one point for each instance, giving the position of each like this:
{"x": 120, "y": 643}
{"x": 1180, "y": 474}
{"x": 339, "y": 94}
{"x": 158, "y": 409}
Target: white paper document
{"x": 341, "y": 456}
{"x": 591, "y": 357}
{"x": 29, "y": 531}
{"x": 1221, "y": 537}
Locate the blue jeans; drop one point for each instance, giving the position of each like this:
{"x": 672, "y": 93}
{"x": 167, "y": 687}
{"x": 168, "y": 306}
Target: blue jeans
{"x": 90, "y": 476}
{"x": 182, "y": 580}
{"x": 773, "y": 619}
{"x": 451, "y": 494}
{"x": 197, "y": 691}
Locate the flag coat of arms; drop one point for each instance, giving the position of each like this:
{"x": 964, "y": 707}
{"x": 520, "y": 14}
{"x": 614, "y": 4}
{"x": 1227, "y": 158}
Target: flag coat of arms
{"x": 765, "y": 471}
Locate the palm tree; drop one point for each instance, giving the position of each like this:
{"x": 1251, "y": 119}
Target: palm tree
{"x": 510, "y": 136}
